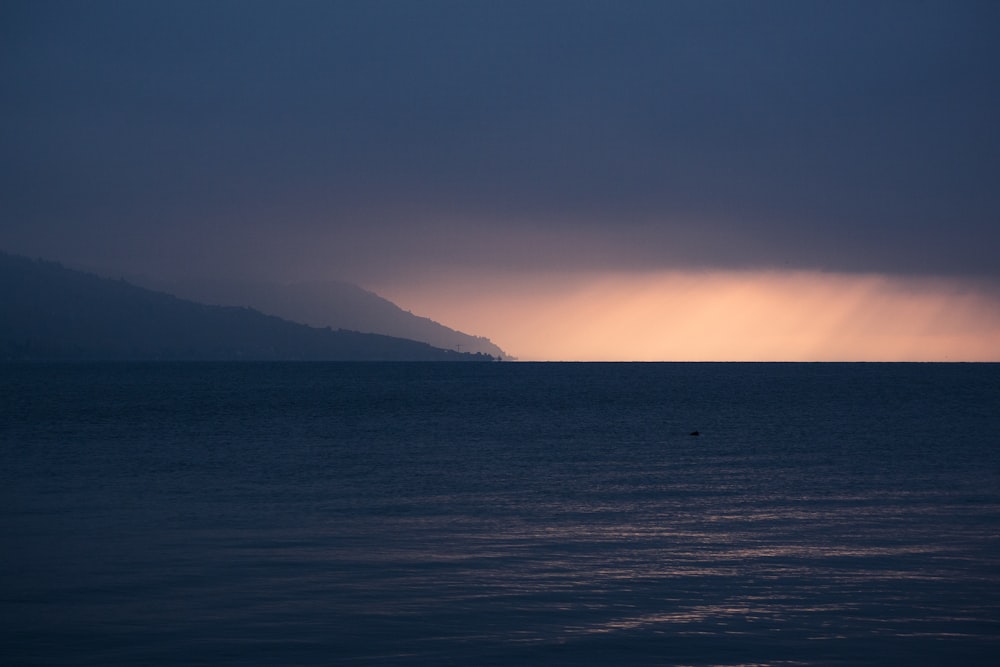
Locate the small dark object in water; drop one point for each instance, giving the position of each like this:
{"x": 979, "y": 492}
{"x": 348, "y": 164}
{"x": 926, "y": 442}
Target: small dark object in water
{"x": 694, "y": 433}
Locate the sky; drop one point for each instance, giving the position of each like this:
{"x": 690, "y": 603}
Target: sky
{"x": 709, "y": 180}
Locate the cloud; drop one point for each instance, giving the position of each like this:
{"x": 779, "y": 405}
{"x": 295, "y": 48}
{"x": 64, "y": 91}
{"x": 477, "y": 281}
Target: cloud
{"x": 375, "y": 140}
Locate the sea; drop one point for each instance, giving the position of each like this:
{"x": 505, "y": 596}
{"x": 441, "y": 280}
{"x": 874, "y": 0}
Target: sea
{"x": 507, "y": 513}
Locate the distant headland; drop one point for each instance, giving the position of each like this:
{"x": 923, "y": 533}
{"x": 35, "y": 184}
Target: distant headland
{"x": 52, "y": 313}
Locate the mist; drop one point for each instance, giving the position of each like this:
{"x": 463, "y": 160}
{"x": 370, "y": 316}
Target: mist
{"x": 720, "y": 315}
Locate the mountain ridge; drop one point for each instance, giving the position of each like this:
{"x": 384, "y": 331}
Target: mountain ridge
{"x": 49, "y": 312}
{"x": 336, "y": 304}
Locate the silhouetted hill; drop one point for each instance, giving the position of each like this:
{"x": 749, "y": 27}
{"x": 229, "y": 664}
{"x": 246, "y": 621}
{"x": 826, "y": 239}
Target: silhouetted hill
{"x": 48, "y": 312}
{"x": 339, "y": 305}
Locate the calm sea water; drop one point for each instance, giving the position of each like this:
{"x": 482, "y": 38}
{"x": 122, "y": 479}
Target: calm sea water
{"x": 500, "y": 514}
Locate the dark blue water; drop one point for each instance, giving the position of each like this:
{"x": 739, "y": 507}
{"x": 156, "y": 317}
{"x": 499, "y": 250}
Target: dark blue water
{"x": 502, "y": 514}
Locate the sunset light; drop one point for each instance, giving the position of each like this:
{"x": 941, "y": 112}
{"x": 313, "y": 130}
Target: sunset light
{"x": 719, "y": 316}
{"x": 281, "y": 282}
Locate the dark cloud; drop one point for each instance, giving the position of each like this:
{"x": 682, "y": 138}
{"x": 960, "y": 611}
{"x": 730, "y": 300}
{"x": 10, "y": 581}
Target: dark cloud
{"x": 384, "y": 135}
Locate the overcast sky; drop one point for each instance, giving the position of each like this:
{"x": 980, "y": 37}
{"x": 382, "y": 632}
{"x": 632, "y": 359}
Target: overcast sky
{"x": 377, "y": 140}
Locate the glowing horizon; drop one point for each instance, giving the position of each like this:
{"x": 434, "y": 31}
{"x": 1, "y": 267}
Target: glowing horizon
{"x": 716, "y": 315}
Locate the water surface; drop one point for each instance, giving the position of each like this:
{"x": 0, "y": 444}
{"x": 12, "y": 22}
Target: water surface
{"x": 509, "y": 513}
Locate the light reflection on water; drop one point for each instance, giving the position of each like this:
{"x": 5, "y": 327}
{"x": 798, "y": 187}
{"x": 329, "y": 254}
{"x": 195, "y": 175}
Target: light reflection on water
{"x": 247, "y": 534}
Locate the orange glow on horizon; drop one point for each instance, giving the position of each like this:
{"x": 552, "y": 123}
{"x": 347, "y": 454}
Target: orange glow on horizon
{"x": 716, "y": 316}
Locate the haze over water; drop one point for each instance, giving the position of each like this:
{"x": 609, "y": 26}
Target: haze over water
{"x": 259, "y": 514}
{"x": 716, "y": 315}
